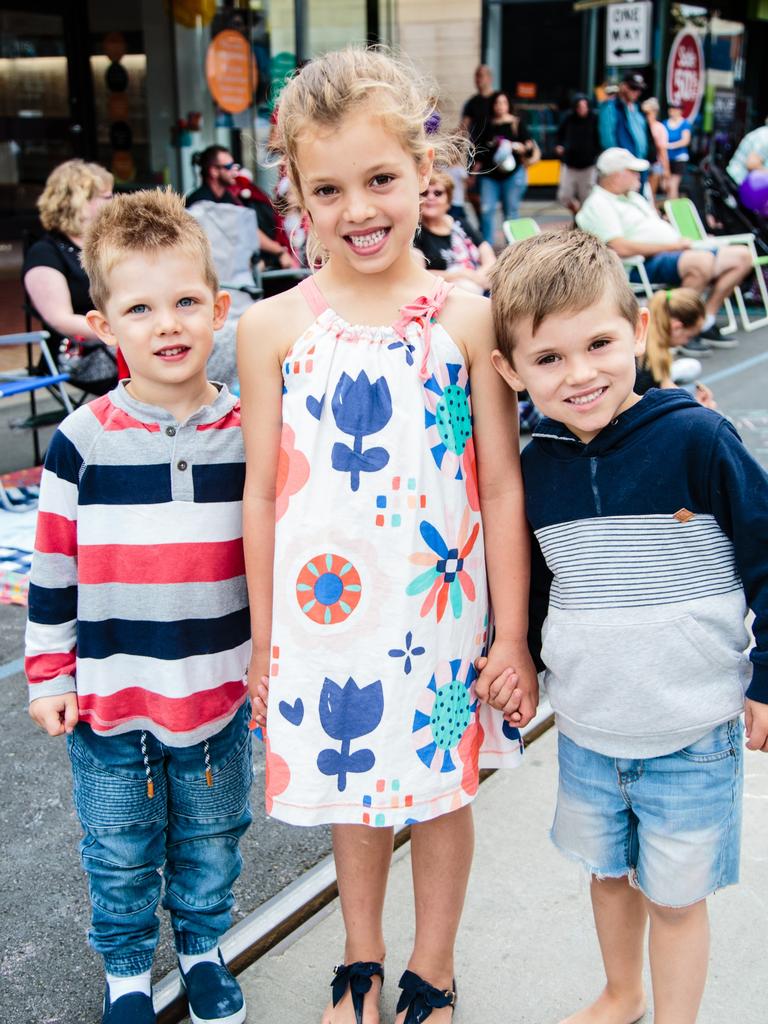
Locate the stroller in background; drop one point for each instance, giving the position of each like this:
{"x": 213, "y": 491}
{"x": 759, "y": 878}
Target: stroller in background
{"x": 716, "y": 196}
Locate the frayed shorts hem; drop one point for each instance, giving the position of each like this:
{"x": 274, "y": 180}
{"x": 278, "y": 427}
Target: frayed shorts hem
{"x": 630, "y": 874}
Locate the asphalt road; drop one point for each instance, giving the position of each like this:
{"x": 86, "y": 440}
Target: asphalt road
{"x": 47, "y": 973}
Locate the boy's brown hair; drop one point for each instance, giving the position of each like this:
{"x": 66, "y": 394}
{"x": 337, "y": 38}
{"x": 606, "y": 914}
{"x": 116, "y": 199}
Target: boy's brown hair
{"x": 554, "y": 272}
{"x": 147, "y": 221}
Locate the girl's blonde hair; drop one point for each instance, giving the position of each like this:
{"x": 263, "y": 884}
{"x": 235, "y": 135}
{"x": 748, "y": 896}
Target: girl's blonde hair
{"x": 683, "y": 304}
{"x": 323, "y": 92}
{"x": 68, "y": 188}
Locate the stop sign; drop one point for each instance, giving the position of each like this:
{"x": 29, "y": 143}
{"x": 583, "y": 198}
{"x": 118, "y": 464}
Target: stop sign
{"x": 685, "y": 73}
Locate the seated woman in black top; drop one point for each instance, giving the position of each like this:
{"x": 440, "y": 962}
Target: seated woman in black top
{"x": 55, "y": 282}
{"x": 451, "y": 248}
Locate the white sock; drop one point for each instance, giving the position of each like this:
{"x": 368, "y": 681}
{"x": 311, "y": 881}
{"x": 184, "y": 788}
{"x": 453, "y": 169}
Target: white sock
{"x": 708, "y": 321}
{"x": 188, "y": 960}
{"x": 122, "y": 986}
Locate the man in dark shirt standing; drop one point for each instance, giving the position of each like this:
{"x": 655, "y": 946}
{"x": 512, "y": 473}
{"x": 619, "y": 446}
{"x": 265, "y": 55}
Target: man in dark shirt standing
{"x": 578, "y": 146}
{"x": 475, "y": 115}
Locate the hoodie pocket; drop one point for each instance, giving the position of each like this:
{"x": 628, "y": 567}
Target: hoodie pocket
{"x": 640, "y": 678}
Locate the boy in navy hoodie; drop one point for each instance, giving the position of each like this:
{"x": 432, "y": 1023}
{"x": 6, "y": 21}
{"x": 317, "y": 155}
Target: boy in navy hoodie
{"x": 650, "y": 521}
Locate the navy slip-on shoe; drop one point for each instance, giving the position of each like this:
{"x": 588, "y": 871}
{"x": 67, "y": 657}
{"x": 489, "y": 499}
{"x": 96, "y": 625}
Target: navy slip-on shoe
{"x": 213, "y": 994}
{"x": 133, "y": 1008}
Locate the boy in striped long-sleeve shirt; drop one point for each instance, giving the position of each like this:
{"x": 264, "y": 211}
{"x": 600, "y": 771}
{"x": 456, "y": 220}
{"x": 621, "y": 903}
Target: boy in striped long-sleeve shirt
{"x": 138, "y": 636}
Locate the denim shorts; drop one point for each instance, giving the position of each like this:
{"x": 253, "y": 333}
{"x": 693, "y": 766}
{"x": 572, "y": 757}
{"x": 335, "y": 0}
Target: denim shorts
{"x": 672, "y": 824}
{"x": 661, "y": 269}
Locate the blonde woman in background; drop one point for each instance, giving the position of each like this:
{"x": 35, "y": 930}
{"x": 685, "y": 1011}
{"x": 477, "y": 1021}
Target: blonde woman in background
{"x": 677, "y": 315}
{"x": 54, "y": 280}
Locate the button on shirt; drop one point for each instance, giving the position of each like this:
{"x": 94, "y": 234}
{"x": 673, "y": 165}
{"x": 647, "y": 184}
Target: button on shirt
{"x": 629, "y": 216}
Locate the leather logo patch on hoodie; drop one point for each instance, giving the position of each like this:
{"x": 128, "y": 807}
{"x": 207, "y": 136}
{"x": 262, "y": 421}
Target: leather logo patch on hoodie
{"x": 683, "y": 515}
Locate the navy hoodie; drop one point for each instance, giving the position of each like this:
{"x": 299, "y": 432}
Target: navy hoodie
{"x": 650, "y": 542}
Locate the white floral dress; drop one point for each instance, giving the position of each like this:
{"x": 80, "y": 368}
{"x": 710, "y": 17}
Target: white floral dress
{"x": 380, "y": 595}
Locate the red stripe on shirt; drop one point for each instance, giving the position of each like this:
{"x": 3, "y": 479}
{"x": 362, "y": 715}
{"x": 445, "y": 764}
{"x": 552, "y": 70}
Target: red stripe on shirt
{"x": 176, "y": 714}
{"x": 161, "y": 563}
{"x": 113, "y": 418}
{"x": 41, "y": 668}
{"x": 55, "y": 535}
{"x": 229, "y": 422}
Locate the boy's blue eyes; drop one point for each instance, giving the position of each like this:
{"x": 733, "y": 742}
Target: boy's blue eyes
{"x": 142, "y": 307}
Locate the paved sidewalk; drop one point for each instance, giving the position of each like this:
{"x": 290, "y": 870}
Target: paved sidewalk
{"x": 527, "y": 952}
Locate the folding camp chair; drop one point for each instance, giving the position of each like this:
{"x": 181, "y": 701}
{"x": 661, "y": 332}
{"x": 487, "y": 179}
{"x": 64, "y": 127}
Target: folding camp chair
{"x": 685, "y": 217}
{"x": 25, "y": 381}
{"x": 517, "y": 229}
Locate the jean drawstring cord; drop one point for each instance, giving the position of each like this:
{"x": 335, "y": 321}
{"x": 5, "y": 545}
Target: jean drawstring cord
{"x": 207, "y": 757}
{"x": 147, "y": 768}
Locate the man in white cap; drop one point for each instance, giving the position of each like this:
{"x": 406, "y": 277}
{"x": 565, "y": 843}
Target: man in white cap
{"x": 617, "y": 213}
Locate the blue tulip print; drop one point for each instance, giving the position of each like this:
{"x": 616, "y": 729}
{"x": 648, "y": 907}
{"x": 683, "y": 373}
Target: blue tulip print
{"x": 347, "y": 713}
{"x": 360, "y": 407}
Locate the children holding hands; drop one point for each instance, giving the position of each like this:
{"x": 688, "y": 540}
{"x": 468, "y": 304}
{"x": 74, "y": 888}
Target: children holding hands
{"x": 138, "y": 635}
{"x": 376, "y": 492}
{"x": 650, "y": 521}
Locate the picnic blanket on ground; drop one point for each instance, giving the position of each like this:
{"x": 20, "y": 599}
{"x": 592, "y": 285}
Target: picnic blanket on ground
{"x": 17, "y": 535}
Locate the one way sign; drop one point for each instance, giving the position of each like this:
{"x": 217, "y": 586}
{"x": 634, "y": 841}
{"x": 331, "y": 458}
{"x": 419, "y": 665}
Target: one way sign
{"x": 628, "y": 34}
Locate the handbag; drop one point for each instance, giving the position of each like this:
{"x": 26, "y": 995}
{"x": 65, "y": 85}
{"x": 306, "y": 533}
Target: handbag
{"x": 87, "y": 362}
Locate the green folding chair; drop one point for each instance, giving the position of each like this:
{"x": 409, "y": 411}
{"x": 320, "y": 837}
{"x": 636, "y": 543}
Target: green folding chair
{"x": 685, "y": 218}
{"x": 517, "y": 229}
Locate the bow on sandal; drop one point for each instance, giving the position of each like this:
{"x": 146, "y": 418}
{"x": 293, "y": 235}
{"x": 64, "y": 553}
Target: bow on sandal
{"x": 357, "y": 978}
{"x": 420, "y": 998}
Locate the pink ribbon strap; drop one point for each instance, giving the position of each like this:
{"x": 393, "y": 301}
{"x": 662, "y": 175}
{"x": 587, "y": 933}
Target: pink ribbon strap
{"x": 426, "y": 309}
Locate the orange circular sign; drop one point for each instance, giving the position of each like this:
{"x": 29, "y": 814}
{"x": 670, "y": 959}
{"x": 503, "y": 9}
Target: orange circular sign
{"x": 231, "y": 71}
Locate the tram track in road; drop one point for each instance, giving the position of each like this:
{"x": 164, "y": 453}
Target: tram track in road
{"x": 290, "y": 910}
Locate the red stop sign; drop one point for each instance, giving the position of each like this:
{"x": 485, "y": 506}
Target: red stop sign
{"x": 685, "y": 73}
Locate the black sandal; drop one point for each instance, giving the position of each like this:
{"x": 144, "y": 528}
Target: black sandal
{"x": 357, "y": 978}
{"x": 420, "y": 998}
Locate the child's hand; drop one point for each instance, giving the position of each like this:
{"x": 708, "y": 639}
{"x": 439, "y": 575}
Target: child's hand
{"x": 508, "y": 682}
{"x": 756, "y": 722}
{"x": 55, "y": 715}
{"x": 258, "y": 688}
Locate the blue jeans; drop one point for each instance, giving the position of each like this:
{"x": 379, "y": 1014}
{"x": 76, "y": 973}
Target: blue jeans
{"x": 507, "y": 191}
{"x": 188, "y": 830}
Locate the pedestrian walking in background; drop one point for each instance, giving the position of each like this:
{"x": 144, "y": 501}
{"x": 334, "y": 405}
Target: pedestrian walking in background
{"x": 659, "y": 174}
{"x": 475, "y": 115}
{"x": 138, "y": 635}
{"x": 645, "y": 659}
{"x": 507, "y": 147}
{"x": 622, "y": 124}
{"x": 366, "y": 561}
{"x": 578, "y": 146}
{"x": 679, "y": 139}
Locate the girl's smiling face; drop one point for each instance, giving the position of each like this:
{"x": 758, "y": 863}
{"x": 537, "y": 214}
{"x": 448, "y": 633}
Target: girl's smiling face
{"x": 361, "y": 189}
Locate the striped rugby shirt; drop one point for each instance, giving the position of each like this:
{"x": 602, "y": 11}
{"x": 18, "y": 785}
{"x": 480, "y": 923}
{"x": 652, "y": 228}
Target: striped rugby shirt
{"x": 652, "y": 541}
{"x": 137, "y": 598}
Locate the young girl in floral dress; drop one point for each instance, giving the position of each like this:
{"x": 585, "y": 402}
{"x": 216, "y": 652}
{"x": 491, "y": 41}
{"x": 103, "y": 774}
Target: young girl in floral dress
{"x": 376, "y": 490}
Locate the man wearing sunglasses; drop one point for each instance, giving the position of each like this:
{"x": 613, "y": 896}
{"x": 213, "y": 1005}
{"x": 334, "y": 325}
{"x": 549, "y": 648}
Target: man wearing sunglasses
{"x": 621, "y": 122}
{"x": 218, "y": 170}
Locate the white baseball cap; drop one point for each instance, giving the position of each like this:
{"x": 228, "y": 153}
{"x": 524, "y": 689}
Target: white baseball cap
{"x": 615, "y": 159}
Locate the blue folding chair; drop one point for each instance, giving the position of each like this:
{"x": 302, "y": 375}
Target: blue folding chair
{"x": 26, "y": 381}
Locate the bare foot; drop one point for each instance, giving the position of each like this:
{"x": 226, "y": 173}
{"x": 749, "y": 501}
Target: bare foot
{"x": 344, "y": 1012}
{"x": 611, "y": 1009}
{"x": 442, "y": 1016}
